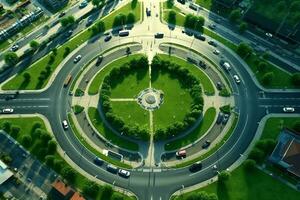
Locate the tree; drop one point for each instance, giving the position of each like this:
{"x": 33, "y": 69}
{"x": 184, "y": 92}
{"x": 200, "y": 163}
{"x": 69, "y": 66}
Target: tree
{"x": 96, "y": 2}
{"x": 243, "y": 27}
{"x": 68, "y": 173}
{"x": 54, "y": 51}
{"x": 119, "y": 20}
{"x": 262, "y": 66}
{"x": 130, "y": 18}
{"x": 11, "y": 58}
{"x": 249, "y": 164}
{"x": 296, "y": 79}
{"x": 57, "y": 165}
{"x": 15, "y": 131}
{"x": 257, "y": 155}
{"x": 51, "y": 147}
{"x": 244, "y": 50}
{"x": 133, "y": 4}
{"x": 101, "y": 26}
{"x": 223, "y": 176}
{"x": 107, "y": 192}
{"x": 235, "y": 15}
{"x": 172, "y": 17}
{"x": 45, "y": 137}
{"x": 201, "y": 196}
{"x": 117, "y": 196}
{"x": 67, "y": 51}
{"x": 6, "y": 126}
{"x": 267, "y": 78}
{"x": 26, "y": 141}
{"x": 170, "y": 3}
{"x": 90, "y": 189}
{"x": 26, "y": 77}
{"x": 49, "y": 160}
{"x": 296, "y": 126}
{"x": 67, "y": 21}
{"x": 34, "y": 45}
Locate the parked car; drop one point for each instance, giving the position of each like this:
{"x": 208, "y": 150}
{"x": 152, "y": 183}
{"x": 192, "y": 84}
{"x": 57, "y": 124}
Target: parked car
{"x": 206, "y": 144}
{"x": 181, "y": 1}
{"x": 98, "y": 161}
{"x": 219, "y": 85}
{"x": 123, "y": 33}
{"x": 158, "y": 35}
{"x": 212, "y": 43}
{"x": 15, "y": 47}
{"x": 196, "y": 166}
{"x": 181, "y": 154}
{"x": 61, "y": 14}
{"x": 83, "y": 4}
{"x": 107, "y": 38}
{"x": 192, "y": 60}
{"x": 148, "y": 12}
{"x": 202, "y": 64}
{"x": 112, "y": 169}
{"x": 225, "y": 119}
{"x": 124, "y": 173}
{"x": 7, "y": 110}
{"x": 77, "y": 58}
{"x": 220, "y": 118}
{"x": 237, "y": 79}
{"x": 65, "y": 124}
{"x": 89, "y": 22}
{"x": 212, "y": 26}
{"x": 99, "y": 60}
{"x": 288, "y": 109}
{"x": 216, "y": 52}
{"x": 200, "y": 37}
{"x": 69, "y": 33}
{"x": 269, "y": 35}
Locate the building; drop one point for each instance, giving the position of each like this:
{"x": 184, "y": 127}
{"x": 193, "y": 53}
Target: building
{"x": 55, "y": 4}
{"x": 61, "y": 191}
{"x": 5, "y": 173}
{"x": 286, "y": 154}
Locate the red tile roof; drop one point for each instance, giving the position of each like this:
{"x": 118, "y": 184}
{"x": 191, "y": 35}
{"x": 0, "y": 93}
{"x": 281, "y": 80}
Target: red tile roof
{"x": 77, "y": 196}
{"x": 61, "y": 187}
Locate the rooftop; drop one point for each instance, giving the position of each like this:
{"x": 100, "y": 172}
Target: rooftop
{"x": 5, "y": 173}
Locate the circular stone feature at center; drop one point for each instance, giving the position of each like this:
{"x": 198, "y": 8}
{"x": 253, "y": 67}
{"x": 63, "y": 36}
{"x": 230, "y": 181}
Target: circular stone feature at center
{"x": 150, "y": 98}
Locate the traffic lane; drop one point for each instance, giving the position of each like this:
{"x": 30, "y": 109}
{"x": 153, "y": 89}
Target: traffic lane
{"x": 281, "y": 94}
{"x": 279, "y": 109}
{"x": 284, "y": 102}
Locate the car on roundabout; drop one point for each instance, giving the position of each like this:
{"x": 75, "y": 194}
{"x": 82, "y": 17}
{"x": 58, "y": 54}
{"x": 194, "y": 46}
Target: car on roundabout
{"x": 236, "y": 79}
{"x": 124, "y": 173}
{"x": 77, "y": 58}
{"x": 216, "y": 52}
{"x": 206, "y": 144}
{"x": 112, "y": 169}
{"x": 288, "y": 109}
{"x": 197, "y": 166}
{"x": 65, "y": 125}
{"x": 181, "y": 154}
{"x": 98, "y": 161}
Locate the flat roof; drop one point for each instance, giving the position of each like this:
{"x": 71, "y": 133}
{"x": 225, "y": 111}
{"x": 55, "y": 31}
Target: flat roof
{"x": 5, "y": 173}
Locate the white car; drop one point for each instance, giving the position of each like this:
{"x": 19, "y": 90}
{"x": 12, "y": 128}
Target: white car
{"x": 15, "y": 47}
{"x": 77, "y": 58}
{"x": 226, "y": 66}
{"x": 216, "y": 51}
{"x": 124, "y": 173}
{"x": 65, "y": 124}
{"x": 7, "y": 110}
{"x": 269, "y": 35}
{"x": 236, "y": 78}
{"x": 288, "y": 109}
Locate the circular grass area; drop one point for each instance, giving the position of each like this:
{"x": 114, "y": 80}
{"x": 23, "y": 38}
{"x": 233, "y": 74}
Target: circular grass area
{"x": 120, "y": 87}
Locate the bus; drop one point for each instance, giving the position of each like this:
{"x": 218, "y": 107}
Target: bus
{"x": 67, "y": 80}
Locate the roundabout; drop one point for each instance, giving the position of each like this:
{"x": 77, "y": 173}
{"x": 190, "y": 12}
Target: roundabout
{"x": 137, "y": 111}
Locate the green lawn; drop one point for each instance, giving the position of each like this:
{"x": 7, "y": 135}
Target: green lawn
{"x": 107, "y": 133}
{"x": 201, "y": 129}
{"x": 245, "y": 185}
{"x": 205, "y": 3}
{"x": 131, "y": 85}
{"x": 177, "y": 101}
{"x": 97, "y": 80}
{"x": 35, "y": 69}
{"x": 206, "y": 83}
{"x": 131, "y": 113}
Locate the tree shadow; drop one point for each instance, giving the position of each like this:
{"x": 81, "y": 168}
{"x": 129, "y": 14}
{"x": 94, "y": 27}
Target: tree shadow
{"x": 222, "y": 191}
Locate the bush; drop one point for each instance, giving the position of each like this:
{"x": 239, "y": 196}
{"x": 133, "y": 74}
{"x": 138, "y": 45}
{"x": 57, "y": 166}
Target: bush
{"x": 226, "y": 109}
{"x": 172, "y": 17}
{"x": 11, "y": 58}
{"x": 51, "y": 147}
{"x": 235, "y": 15}
{"x": 244, "y": 50}
{"x": 49, "y": 160}
{"x": 107, "y": 192}
{"x": 78, "y": 109}
{"x": 267, "y": 78}
{"x": 26, "y": 141}
{"x": 257, "y": 155}
{"x": 249, "y": 164}
{"x": 68, "y": 173}
{"x": 133, "y": 4}
{"x": 15, "y": 131}
{"x": 262, "y": 66}
{"x": 296, "y": 79}
{"x": 6, "y": 126}
{"x": 90, "y": 189}
{"x": 223, "y": 176}
{"x": 117, "y": 196}
{"x": 296, "y": 126}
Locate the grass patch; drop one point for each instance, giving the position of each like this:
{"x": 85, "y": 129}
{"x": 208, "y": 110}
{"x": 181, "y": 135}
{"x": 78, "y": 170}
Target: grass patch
{"x": 206, "y": 83}
{"x": 131, "y": 113}
{"x": 107, "y": 133}
{"x": 214, "y": 149}
{"x": 89, "y": 147}
{"x": 201, "y": 129}
{"x": 35, "y": 69}
{"x": 97, "y": 80}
